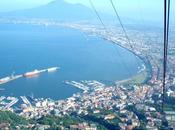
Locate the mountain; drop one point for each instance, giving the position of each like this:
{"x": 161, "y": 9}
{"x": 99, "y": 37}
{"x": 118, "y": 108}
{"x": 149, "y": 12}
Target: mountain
{"x": 57, "y": 9}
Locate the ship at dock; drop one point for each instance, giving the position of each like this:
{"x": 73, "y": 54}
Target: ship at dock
{"x": 5, "y": 80}
{"x": 32, "y": 73}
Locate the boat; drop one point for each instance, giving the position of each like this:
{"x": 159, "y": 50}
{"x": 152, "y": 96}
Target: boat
{"x": 5, "y": 80}
{"x": 31, "y": 74}
{"x": 52, "y": 69}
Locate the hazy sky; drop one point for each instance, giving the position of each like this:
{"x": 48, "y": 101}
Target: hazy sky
{"x": 6, "y": 5}
{"x": 143, "y": 9}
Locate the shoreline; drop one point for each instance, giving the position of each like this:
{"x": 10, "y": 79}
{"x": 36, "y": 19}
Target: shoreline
{"x": 146, "y": 62}
{"x": 148, "y": 68}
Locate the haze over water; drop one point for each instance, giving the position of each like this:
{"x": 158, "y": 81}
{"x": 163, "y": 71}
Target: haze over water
{"x": 24, "y": 48}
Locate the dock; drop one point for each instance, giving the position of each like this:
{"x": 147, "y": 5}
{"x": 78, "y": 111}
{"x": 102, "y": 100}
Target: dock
{"x": 78, "y": 85}
{"x": 14, "y": 101}
{"x": 25, "y": 100}
{"x": 86, "y": 85}
{"x": 43, "y": 70}
{"x": 15, "y": 77}
{"x": 9, "y": 79}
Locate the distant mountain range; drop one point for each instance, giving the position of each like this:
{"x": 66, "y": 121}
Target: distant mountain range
{"x": 57, "y": 9}
{"x": 64, "y": 11}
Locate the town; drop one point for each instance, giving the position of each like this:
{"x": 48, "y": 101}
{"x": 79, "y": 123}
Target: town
{"x": 134, "y": 103}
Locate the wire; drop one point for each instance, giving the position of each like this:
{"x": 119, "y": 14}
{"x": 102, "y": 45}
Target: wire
{"x": 101, "y": 21}
{"x": 96, "y": 12}
{"x": 121, "y": 24}
{"x": 166, "y": 38}
{"x": 168, "y": 22}
{"x": 164, "y": 55}
{"x": 124, "y": 30}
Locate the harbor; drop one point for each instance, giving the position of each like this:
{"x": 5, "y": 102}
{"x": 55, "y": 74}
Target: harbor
{"x": 86, "y": 85}
{"x": 24, "y": 104}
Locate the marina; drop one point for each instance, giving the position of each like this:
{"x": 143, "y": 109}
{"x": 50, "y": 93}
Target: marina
{"x": 78, "y": 85}
{"x": 86, "y": 85}
{"x": 6, "y": 103}
{"x": 25, "y": 100}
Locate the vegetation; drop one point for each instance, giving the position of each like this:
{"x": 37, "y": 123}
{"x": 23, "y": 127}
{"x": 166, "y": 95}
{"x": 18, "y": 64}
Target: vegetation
{"x": 66, "y": 121}
{"x": 141, "y": 115}
{"x": 108, "y": 125}
{"x": 12, "y": 119}
{"x": 139, "y": 78}
{"x": 54, "y": 120}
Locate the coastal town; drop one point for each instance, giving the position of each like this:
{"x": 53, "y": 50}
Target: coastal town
{"x": 135, "y": 103}
{"x": 125, "y": 107}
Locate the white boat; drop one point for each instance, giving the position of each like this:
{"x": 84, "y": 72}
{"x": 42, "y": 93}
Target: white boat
{"x": 52, "y": 69}
{"x": 5, "y": 80}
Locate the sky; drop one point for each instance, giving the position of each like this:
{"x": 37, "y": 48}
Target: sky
{"x": 142, "y": 9}
{"x": 8, "y": 5}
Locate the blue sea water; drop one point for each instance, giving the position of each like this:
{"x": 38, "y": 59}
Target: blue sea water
{"x": 24, "y": 48}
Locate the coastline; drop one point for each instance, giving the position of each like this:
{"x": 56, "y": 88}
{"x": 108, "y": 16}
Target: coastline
{"x": 148, "y": 68}
{"x": 145, "y": 75}
{"x": 142, "y": 58}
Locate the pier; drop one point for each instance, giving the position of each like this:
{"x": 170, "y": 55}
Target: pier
{"x": 86, "y": 85}
{"x": 25, "y": 100}
{"x": 15, "y": 77}
{"x": 8, "y": 79}
{"x": 78, "y": 85}
{"x": 14, "y": 101}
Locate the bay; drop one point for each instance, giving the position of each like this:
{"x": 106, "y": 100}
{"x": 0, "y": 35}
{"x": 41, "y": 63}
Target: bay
{"x": 24, "y": 48}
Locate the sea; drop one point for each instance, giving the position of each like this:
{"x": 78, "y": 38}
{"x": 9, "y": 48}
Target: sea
{"x": 80, "y": 56}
